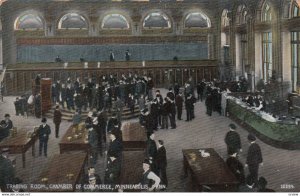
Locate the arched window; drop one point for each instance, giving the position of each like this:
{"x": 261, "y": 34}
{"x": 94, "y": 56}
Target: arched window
{"x": 72, "y": 21}
{"x": 29, "y": 22}
{"x": 295, "y": 9}
{"x": 157, "y": 20}
{"x": 225, "y": 19}
{"x": 241, "y": 15}
{"x": 266, "y": 13}
{"x": 115, "y": 21}
{"x": 196, "y": 19}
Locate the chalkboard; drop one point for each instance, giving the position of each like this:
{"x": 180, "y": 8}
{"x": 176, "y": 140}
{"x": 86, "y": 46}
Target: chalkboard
{"x": 139, "y": 52}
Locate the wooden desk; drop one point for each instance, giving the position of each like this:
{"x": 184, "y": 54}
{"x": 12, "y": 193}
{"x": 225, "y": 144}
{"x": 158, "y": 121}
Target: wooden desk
{"x": 20, "y": 143}
{"x": 57, "y": 171}
{"x": 132, "y": 168}
{"x": 211, "y": 171}
{"x": 134, "y": 137}
{"x": 79, "y": 144}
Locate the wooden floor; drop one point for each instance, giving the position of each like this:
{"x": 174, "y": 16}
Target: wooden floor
{"x": 281, "y": 167}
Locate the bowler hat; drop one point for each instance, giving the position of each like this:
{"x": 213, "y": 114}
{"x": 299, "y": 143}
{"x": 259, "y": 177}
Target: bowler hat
{"x": 251, "y": 137}
{"x": 232, "y": 126}
{"x": 146, "y": 161}
{"x": 7, "y": 115}
{"x": 44, "y": 120}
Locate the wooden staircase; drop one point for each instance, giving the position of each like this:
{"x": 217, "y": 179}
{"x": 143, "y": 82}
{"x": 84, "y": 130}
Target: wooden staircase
{"x": 67, "y": 114}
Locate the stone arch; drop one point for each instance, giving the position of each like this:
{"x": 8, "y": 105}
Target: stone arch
{"x": 29, "y": 20}
{"x": 197, "y": 19}
{"x": 73, "y": 20}
{"x": 157, "y": 19}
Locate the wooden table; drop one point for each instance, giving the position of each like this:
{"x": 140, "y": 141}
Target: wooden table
{"x": 134, "y": 137}
{"x": 209, "y": 172}
{"x": 132, "y": 168}
{"x": 57, "y": 171}
{"x": 79, "y": 144}
{"x": 20, "y": 143}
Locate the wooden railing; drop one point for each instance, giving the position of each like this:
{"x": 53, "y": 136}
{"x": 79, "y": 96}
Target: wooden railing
{"x": 164, "y": 73}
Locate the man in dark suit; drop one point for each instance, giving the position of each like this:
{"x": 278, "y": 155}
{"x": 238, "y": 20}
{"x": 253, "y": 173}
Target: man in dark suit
{"x": 161, "y": 163}
{"x": 115, "y": 146}
{"x": 188, "y": 107}
{"x": 172, "y": 114}
{"x": 4, "y": 132}
{"x": 44, "y": 132}
{"x": 248, "y": 186}
{"x": 176, "y": 89}
{"x": 179, "y": 105}
{"x": 236, "y": 166}
{"x": 171, "y": 95}
{"x": 113, "y": 170}
{"x": 9, "y": 123}
{"x": 7, "y": 171}
{"x": 111, "y": 56}
{"x": 233, "y": 140}
{"x": 93, "y": 142}
{"x": 147, "y": 121}
{"x": 254, "y": 157}
{"x": 91, "y": 172}
{"x": 262, "y": 185}
{"x": 152, "y": 152}
{"x": 57, "y": 120}
{"x": 209, "y": 104}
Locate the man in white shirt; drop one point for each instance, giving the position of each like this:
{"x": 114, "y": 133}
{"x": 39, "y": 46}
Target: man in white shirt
{"x": 149, "y": 178}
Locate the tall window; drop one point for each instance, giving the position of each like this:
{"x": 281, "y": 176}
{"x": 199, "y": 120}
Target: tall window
{"x": 295, "y": 59}
{"x": 266, "y": 13}
{"x": 295, "y": 10}
{"x": 244, "y": 48}
{"x": 267, "y": 55}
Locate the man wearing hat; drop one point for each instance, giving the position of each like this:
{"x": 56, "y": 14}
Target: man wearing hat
{"x": 97, "y": 127}
{"x": 179, "y": 105}
{"x": 236, "y": 166}
{"x": 9, "y": 123}
{"x": 113, "y": 169}
{"x": 115, "y": 146}
{"x": 189, "y": 107}
{"x": 161, "y": 162}
{"x": 91, "y": 174}
{"x": 57, "y": 120}
{"x": 147, "y": 121}
{"x": 93, "y": 141}
{"x": 44, "y": 132}
{"x": 233, "y": 140}
{"x": 112, "y": 122}
{"x": 152, "y": 151}
{"x": 149, "y": 178}
{"x": 248, "y": 186}
{"x": 4, "y": 131}
{"x": 7, "y": 172}
{"x": 262, "y": 185}
{"x": 254, "y": 157}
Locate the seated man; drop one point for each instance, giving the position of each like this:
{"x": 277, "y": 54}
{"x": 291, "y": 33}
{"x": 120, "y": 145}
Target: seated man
{"x": 262, "y": 185}
{"x": 7, "y": 171}
{"x": 248, "y": 186}
{"x": 236, "y": 166}
{"x": 4, "y": 131}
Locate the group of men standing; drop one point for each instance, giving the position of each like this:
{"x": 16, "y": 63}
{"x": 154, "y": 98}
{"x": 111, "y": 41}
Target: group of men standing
{"x": 254, "y": 160}
{"x": 102, "y": 95}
